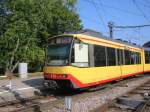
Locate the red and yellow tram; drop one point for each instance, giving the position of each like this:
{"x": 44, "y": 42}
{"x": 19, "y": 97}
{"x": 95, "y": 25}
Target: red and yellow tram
{"x": 80, "y": 61}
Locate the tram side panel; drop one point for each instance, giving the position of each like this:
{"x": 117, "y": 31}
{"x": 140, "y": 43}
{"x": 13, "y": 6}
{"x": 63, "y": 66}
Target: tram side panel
{"x": 102, "y": 66}
{"x": 106, "y": 66}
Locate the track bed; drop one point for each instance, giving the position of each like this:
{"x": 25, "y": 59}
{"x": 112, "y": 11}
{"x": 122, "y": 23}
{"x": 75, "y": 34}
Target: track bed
{"x": 91, "y": 100}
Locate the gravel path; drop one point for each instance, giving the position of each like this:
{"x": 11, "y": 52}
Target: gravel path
{"x": 90, "y": 101}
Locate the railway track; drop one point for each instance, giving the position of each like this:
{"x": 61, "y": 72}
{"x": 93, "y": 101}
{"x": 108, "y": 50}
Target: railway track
{"x": 50, "y": 102}
{"x": 137, "y": 100}
{"x": 22, "y": 104}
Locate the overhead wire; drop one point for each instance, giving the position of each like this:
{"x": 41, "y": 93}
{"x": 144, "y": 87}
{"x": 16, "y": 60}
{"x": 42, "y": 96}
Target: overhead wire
{"x": 103, "y": 8}
{"x": 137, "y": 6}
{"x": 116, "y": 8}
{"x": 98, "y": 12}
{"x": 92, "y": 19}
{"x": 147, "y": 2}
{"x": 137, "y": 26}
{"x": 144, "y": 4}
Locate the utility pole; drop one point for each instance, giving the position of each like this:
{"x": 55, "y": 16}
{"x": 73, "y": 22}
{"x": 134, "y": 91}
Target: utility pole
{"x": 110, "y": 25}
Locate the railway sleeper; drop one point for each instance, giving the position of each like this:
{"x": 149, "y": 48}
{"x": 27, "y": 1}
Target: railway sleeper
{"x": 140, "y": 92}
{"x": 144, "y": 88}
{"x": 129, "y": 103}
{"x": 143, "y": 106}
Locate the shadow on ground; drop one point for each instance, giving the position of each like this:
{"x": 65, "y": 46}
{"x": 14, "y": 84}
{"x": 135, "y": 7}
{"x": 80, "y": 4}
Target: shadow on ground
{"x": 42, "y": 91}
{"x": 35, "y": 83}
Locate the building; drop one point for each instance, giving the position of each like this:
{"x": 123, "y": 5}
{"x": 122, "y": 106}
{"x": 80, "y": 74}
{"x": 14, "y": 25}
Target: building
{"x": 147, "y": 44}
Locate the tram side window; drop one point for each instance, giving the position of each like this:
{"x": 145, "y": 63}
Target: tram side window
{"x": 147, "y": 57}
{"x": 99, "y": 56}
{"x": 111, "y": 56}
{"x": 132, "y": 57}
{"x": 127, "y": 57}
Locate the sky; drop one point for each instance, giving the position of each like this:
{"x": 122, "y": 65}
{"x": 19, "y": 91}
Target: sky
{"x": 95, "y": 15}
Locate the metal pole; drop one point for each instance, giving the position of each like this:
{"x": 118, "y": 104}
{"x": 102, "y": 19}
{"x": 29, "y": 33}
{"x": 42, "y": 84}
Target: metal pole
{"x": 9, "y": 76}
{"x": 68, "y": 103}
{"x": 10, "y": 84}
{"x": 110, "y": 25}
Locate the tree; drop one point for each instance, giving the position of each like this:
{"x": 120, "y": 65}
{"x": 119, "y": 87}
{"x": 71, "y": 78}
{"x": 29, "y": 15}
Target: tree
{"x": 62, "y": 18}
{"x": 27, "y": 24}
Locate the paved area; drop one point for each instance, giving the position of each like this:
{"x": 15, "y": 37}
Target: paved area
{"x": 21, "y": 88}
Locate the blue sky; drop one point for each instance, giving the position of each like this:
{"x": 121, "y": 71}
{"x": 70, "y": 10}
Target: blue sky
{"x": 95, "y": 15}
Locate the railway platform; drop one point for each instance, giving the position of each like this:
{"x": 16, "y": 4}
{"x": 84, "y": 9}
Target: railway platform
{"x": 20, "y": 88}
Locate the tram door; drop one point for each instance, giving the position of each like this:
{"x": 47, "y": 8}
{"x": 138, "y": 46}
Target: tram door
{"x": 138, "y": 62}
{"x": 120, "y": 59}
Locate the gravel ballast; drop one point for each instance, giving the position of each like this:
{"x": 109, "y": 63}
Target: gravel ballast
{"x": 89, "y": 102}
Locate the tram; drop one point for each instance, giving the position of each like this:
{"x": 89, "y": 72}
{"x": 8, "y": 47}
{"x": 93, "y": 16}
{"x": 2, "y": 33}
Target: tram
{"x": 81, "y": 61}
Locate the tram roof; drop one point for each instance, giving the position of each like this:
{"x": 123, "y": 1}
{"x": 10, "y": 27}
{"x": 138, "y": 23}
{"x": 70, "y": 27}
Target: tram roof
{"x": 96, "y": 36}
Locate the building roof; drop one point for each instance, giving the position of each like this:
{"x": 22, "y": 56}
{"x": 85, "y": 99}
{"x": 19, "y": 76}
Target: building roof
{"x": 147, "y": 44}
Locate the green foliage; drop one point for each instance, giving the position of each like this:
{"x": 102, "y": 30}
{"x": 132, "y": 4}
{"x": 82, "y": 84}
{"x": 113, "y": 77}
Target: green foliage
{"x": 25, "y": 26}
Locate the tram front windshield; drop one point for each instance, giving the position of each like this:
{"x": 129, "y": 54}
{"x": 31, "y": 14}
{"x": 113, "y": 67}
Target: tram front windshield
{"x": 58, "y": 53}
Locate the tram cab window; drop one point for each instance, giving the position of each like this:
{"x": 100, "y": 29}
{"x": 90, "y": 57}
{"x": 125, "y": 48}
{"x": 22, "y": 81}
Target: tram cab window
{"x": 79, "y": 56}
{"x": 57, "y": 52}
